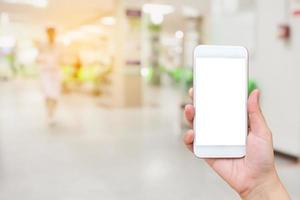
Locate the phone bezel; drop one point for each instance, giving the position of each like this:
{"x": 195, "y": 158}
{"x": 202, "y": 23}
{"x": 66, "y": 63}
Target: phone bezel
{"x": 221, "y": 151}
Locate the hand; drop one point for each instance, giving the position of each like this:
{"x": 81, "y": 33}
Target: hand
{"x": 254, "y": 176}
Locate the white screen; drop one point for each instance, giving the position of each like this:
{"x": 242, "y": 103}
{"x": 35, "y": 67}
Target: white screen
{"x": 220, "y": 101}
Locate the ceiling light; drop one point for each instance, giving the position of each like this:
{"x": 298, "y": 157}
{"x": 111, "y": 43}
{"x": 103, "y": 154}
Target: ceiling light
{"x": 108, "y": 21}
{"x": 162, "y": 9}
{"x": 156, "y": 18}
{"x": 157, "y": 12}
{"x": 36, "y": 3}
{"x": 179, "y": 34}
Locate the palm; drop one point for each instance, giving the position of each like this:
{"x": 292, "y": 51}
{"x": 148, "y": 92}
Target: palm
{"x": 241, "y": 173}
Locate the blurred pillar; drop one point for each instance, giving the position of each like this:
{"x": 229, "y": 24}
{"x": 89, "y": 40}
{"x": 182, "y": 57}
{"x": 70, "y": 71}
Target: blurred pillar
{"x": 132, "y": 70}
{"x": 125, "y": 84}
{"x": 155, "y": 53}
{"x": 192, "y": 38}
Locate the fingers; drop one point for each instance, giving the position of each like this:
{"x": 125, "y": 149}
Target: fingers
{"x": 257, "y": 122}
{"x": 189, "y": 110}
{"x": 189, "y": 140}
{"x": 189, "y": 113}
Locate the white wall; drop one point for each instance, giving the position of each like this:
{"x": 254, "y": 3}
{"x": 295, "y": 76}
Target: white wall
{"x": 277, "y": 70}
{"x": 232, "y": 22}
{"x": 274, "y": 64}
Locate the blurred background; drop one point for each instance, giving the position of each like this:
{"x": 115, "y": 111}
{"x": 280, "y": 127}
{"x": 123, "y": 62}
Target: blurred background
{"x": 92, "y": 94}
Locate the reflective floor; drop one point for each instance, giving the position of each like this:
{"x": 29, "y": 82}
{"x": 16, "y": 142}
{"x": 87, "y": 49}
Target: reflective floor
{"x": 103, "y": 153}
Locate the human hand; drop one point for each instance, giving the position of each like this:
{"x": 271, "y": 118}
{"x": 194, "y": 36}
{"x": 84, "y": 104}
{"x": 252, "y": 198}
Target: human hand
{"x": 254, "y": 176}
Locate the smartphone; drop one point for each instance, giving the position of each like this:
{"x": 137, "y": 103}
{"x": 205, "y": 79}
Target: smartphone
{"x": 220, "y": 101}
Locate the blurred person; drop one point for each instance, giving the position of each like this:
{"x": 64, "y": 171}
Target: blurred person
{"x": 49, "y": 61}
{"x": 254, "y": 176}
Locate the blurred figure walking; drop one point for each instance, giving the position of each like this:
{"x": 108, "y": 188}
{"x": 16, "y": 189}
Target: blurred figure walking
{"x": 49, "y": 61}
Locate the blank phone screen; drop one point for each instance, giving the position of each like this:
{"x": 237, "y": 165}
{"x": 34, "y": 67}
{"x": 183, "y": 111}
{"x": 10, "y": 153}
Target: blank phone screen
{"x": 220, "y": 101}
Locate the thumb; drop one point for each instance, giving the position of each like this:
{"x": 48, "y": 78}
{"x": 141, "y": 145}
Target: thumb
{"x": 258, "y": 125}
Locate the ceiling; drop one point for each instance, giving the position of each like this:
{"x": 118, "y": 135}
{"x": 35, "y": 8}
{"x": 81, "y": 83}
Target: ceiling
{"x": 63, "y": 13}
{"x": 69, "y": 14}
{"x": 175, "y": 21}
{"x": 199, "y": 4}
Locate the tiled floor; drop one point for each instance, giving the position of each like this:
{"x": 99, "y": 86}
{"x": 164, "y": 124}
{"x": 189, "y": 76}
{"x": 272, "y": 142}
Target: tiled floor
{"x": 98, "y": 153}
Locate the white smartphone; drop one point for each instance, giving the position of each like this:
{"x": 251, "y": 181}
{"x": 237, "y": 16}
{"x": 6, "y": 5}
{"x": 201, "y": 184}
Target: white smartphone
{"x": 220, "y": 101}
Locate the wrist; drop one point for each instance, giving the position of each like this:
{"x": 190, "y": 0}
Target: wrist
{"x": 270, "y": 188}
